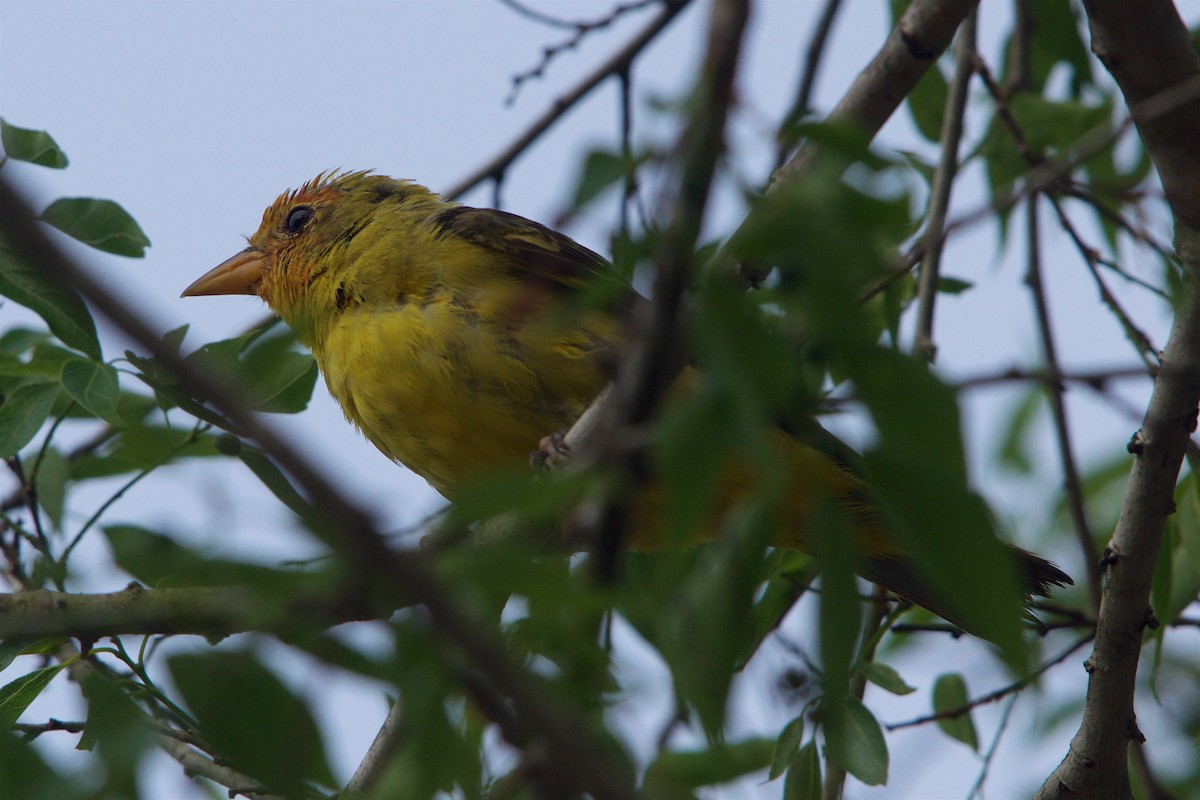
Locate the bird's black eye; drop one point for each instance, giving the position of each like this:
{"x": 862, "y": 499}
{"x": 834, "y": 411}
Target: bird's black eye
{"x": 297, "y": 218}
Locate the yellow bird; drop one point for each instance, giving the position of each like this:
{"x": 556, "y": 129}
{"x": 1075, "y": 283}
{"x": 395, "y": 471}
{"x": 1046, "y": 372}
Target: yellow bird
{"x": 454, "y": 339}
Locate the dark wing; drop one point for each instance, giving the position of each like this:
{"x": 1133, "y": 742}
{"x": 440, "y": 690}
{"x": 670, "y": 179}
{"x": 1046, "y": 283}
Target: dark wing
{"x": 540, "y": 256}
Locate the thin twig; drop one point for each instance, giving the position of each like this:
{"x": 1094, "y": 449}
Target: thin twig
{"x": 580, "y": 29}
{"x": 619, "y": 62}
{"x": 943, "y": 181}
{"x": 808, "y": 78}
{"x": 1055, "y": 389}
{"x": 991, "y": 697}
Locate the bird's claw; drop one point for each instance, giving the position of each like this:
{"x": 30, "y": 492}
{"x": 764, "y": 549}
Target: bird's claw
{"x": 553, "y": 452}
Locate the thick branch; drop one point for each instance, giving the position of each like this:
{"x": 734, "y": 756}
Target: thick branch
{"x": 922, "y": 35}
{"x": 1147, "y": 49}
{"x": 212, "y": 612}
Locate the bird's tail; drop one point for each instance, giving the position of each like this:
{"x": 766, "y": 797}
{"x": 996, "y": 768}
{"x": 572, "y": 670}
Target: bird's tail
{"x": 898, "y": 576}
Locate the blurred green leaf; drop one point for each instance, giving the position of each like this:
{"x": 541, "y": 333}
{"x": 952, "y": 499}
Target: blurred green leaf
{"x": 927, "y": 103}
{"x": 601, "y": 169}
{"x": 885, "y": 677}
{"x": 786, "y": 747}
{"x": 16, "y": 696}
{"x": 274, "y": 479}
{"x": 11, "y": 648}
{"x": 674, "y": 773}
{"x": 140, "y": 447}
{"x": 1177, "y": 573}
{"x": 22, "y": 414}
{"x": 265, "y": 367}
{"x": 36, "y": 147}
{"x": 1055, "y": 41}
{"x": 92, "y": 385}
{"x": 25, "y": 776}
{"x": 166, "y": 388}
{"x": 790, "y": 573}
{"x": 1015, "y": 435}
{"x": 272, "y": 736}
{"x": 803, "y": 780}
{"x": 54, "y": 301}
{"x": 158, "y": 560}
{"x": 103, "y": 224}
{"x": 50, "y": 482}
{"x": 953, "y": 286}
{"x": 950, "y": 693}
{"x": 854, "y": 741}
{"x": 117, "y": 731}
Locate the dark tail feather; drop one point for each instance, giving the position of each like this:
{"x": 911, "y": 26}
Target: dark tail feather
{"x": 900, "y": 578}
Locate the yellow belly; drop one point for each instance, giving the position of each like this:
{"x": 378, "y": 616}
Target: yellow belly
{"x": 447, "y": 394}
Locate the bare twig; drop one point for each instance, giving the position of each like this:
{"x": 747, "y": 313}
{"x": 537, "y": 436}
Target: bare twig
{"x": 943, "y": 182}
{"x": 580, "y": 29}
{"x": 618, "y": 63}
{"x": 808, "y": 78}
{"x": 991, "y": 697}
{"x": 1054, "y": 390}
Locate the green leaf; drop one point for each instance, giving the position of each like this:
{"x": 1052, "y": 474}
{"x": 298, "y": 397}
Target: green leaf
{"x": 173, "y": 339}
{"x": 854, "y": 741}
{"x": 1014, "y": 444}
{"x": 927, "y": 103}
{"x": 1177, "y": 573}
{"x": 166, "y": 388}
{"x": 264, "y": 365}
{"x": 117, "y": 731}
{"x": 950, "y": 693}
{"x": 786, "y": 747}
{"x": 274, "y": 479}
{"x": 885, "y": 677}
{"x": 25, "y": 776}
{"x": 673, "y": 773}
{"x": 953, "y": 286}
{"x": 16, "y": 696}
{"x": 58, "y": 304}
{"x": 50, "y": 481}
{"x": 22, "y": 415}
{"x": 11, "y": 648}
{"x": 103, "y": 224}
{"x": 36, "y": 147}
{"x": 803, "y": 780}
{"x": 251, "y": 718}
{"x": 142, "y": 447}
{"x": 601, "y": 169}
{"x": 93, "y": 385}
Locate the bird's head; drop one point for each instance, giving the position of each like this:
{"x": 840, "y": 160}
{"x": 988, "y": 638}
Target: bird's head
{"x": 303, "y": 259}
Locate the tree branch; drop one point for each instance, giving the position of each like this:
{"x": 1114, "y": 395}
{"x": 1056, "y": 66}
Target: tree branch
{"x": 1148, "y": 50}
{"x": 212, "y": 612}
{"x": 921, "y": 36}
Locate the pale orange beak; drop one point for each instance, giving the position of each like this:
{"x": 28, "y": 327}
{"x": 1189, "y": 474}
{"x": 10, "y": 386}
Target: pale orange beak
{"x": 237, "y": 275}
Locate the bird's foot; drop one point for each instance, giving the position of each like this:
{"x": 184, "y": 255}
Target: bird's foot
{"x": 553, "y": 452}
